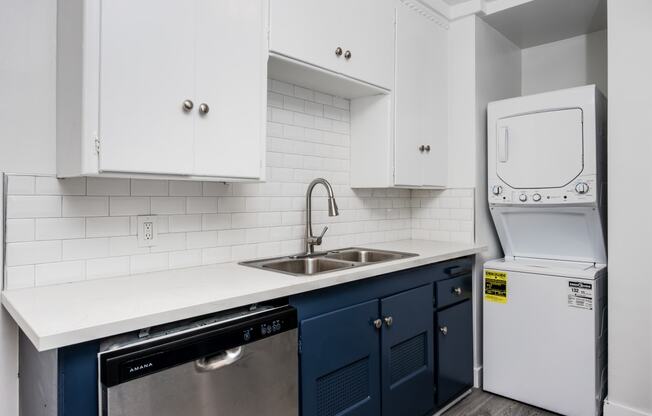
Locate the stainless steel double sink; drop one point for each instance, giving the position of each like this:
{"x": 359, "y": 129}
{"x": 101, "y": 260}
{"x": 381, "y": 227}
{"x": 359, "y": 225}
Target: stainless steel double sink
{"x": 317, "y": 263}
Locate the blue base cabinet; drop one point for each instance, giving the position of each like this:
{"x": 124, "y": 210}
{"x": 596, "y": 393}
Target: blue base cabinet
{"x": 454, "y": 351}
{"x": 339, "y": 362}
{"x": 376, "y": 346}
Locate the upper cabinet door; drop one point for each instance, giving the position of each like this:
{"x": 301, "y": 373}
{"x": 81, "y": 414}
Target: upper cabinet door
{"x": 322, "y": 32}
{"x": 146, "y": 73}
{"x": 368, "y": 37}
{"x": 231, "y": 73}
{"x": 420, "y": 99}
{"x": 407, "y": 353}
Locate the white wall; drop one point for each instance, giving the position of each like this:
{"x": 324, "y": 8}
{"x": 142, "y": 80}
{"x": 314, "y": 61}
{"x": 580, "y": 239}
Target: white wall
{"x": 572, "y": 62}
{"x": 497, "y": 76}
{"x": 27, "y": 121}
{"x": 630, "y": 199}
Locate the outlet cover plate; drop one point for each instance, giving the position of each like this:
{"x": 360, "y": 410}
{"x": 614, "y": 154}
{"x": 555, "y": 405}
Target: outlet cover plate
{"x": 147, "y": 231}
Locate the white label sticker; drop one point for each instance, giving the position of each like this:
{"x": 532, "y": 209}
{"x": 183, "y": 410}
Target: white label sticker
{"x": 580, "y": 295}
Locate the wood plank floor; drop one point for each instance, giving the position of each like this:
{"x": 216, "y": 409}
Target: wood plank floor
{"x": 480, "y": 403}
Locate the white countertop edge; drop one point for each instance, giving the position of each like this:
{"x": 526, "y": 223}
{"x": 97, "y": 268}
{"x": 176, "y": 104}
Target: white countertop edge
{"x": 44, "y": 341}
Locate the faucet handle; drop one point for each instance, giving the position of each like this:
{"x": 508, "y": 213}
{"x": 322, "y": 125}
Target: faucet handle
{"x": 321, "y": 235}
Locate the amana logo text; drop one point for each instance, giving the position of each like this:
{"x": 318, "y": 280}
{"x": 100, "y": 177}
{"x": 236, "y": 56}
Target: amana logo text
{"x": 140, "y": 367}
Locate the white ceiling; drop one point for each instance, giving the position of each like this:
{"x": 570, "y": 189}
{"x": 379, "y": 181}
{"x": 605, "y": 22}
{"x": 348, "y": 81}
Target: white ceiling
{"x": 543, "y": 21}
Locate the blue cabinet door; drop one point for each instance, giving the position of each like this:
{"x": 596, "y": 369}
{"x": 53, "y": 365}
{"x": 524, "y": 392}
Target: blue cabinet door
{"x": 407, "y": 353}
{"x": 339, "y": 363}
{"x": 455, "y": 351}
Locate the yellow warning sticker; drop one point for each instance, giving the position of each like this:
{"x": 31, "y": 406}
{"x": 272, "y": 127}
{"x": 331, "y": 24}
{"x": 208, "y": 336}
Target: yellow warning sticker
{"x": 495, "y": 286}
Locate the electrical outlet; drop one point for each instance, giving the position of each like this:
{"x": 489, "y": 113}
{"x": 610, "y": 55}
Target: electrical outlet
{"x": 147, "y": 231}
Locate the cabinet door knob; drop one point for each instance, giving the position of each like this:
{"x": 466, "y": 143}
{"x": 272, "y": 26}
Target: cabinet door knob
{"x": 338, "y": 51}
{"x": 188, "y": 105}
{"x": 457, "y": 291}
{"x": 204, "y": 108}
{"x": 443, "y": 330}
{"x": 347, "y": 54}
{"x": 427, "y": 148}
{"x": 422, "y": 148}
{"x": 378, "y": 323}
{"x": 389, "y": 321}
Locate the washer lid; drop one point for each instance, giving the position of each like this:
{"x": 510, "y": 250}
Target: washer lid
{"x": 540, "y": 150}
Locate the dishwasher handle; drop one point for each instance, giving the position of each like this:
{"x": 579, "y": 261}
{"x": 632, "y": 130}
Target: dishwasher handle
{"x": 223, "y": 359}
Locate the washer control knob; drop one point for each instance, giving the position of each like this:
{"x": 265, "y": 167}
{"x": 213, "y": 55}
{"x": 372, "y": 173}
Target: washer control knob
{"x": 582, "y": 188}
{"x": 522, "y": 197}
{"x": 496, "y": 189}
{"x": 536, "y": 197}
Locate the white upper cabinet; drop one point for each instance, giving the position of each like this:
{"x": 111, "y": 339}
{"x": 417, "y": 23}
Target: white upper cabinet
{"x": 354, "y": 38}
{"x": 420, "y": 99}
{"x": 412, "y": 150}
{"x": 156, "y": 88}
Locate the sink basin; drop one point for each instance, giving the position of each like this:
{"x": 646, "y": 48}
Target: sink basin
{"x": 309, "y": 265}
{"x": 365, "y": 256}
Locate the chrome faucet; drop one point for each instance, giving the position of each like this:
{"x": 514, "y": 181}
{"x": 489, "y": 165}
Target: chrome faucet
{"x": 311, "y": 240}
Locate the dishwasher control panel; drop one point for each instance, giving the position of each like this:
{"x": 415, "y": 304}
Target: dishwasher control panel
{"x": 206, "y": 341}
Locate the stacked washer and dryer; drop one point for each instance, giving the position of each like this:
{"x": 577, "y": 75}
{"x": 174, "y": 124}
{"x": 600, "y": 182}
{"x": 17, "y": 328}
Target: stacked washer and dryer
{"x": 544, "y": 325}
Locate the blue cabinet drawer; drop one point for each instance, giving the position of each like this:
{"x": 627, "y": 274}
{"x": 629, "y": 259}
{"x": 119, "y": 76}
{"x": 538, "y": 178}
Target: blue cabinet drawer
{"x": 454, "y": 290}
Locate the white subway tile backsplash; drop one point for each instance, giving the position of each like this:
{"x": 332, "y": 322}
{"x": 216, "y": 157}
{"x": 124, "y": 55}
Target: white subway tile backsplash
{"x": 61, "y": 272}
{"x": 48, "y": 185}
{"x": 20, "y": 277}
{"x": 107, "y": 267}
{"x": 33, "y": 252}
{"x": 107, "y": 226}
{"x": 20, "y": 230}
{"x": 136, "y": 205}
{"x": 86, "y": 248}
{"x": 20, "y": 185}
{"x": 85, "y": 206}
{"x": 33, "y": 206}
{"x": 147, "y": 187}
{"x": 107, "y": 186}
{"x": 59, "y": 228}
{"x": 89, "y": 225}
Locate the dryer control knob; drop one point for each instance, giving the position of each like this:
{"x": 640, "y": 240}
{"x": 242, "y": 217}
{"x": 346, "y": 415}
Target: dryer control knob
{"x": 536, "y": 197}
{"x": 522, "y": 197}
{"x": 496, "y": 189}
{"x": 582, "y": 188}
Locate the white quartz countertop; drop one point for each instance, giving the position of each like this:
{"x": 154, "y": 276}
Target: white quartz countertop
{"x": 61, "y": 315}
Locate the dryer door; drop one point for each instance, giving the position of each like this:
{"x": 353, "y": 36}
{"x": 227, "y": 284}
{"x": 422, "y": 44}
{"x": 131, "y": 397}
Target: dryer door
{"x": 540, "y": 150}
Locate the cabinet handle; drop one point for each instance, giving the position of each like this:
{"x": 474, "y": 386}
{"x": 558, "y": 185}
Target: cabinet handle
{"x": 204, "y": 108}
{"x": 457, "y": 291}
{"x": 338, "y": 51}
{"x": 427, "y": 148}
{"x": 188, "y": 105}
{"x": 347, "y": 54}
{"x": 422, "y": 148}
{"x": 378, "y": 323}
{"x": 443, "y": 330}
{"x": 389, "y": 321}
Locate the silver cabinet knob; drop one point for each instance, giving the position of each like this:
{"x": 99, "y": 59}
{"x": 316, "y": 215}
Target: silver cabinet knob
{"x": 422, "y": 148}
{"x": 204, "y": 108}
{"x": 188, "y": 105}
{"x": 457, "y": 291}
{"x": 443, "y": 330}
{"x": 427, "y": 148}
{"x": 338, "y": 51}
{"x": 389, "y": 320}
{"x": 347, "y": 54}
{"x": 378, "y": 323}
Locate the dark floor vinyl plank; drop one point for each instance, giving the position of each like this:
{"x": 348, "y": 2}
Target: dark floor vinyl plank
{"x": 480, "y": 403}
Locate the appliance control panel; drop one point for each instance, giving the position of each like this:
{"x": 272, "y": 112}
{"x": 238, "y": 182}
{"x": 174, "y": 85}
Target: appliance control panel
{"x": 582, "y": 190}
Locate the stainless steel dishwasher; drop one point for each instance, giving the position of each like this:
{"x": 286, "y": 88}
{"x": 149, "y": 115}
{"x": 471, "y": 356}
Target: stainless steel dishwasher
{"x": 241, "y": 363}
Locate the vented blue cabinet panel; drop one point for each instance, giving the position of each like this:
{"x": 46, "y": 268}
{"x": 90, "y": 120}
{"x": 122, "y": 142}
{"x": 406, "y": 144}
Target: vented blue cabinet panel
{"x": 407, "y": 353}
{"x": 340, "y": 363}
{"x": 455, "y": 351}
